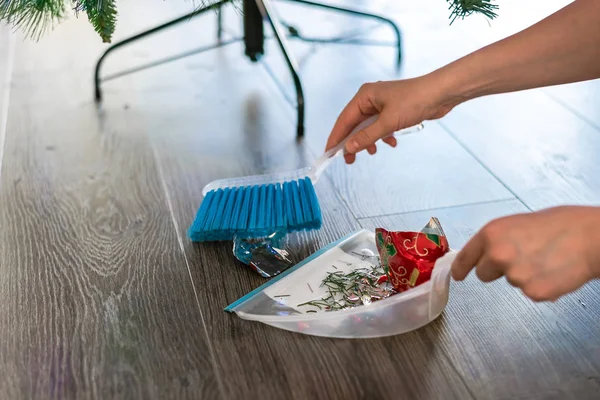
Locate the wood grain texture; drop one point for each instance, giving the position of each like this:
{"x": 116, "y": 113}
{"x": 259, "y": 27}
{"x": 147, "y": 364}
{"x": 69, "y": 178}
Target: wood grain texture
{"x": 95, "y": 295}
{"x": 503, "y": 345}
{"x": 246, "y": 134}
{"x": 95, "y": 292}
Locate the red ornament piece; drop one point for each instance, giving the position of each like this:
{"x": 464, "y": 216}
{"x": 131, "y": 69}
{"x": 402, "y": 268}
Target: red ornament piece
{"x": 409, "y": 257}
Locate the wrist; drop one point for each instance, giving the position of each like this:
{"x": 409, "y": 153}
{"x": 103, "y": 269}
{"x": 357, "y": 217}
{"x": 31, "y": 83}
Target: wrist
{"x": 462, "y": 80}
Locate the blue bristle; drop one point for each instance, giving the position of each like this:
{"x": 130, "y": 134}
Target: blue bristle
{"x": 235, "y": 211}
{"x": 254, "y": 211}
{"x": 316, "y": 217}
{"x": 314, "y": 203}
{"x": 242, "y": 224}
{"x": 218, "y": 210}
{"x": 306, "y": 209}
{"x": 270, "y": 213}
{"x": 197, "y": 225}
{"x": 225, "y": 201}
{"x": 204, "y": 209}
{"x": 261, "y": 223}
{"x": 212, "y": 216}
{"x": 213, "y": 198}
{"x": 297, "y": 207}
{"x": 280, "y": 221}
{"x": 228, "y": 202}
{"x": 202, "y": 222}
{"x": 254, "y": 208}
{"x": 289, "y": 204}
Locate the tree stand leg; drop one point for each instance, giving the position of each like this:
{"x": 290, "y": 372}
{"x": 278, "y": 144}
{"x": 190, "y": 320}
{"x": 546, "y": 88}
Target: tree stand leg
{"x": 358, "y": 13}
{"x": 255, "y": 11}
{"x": 265, "y": 10}
{"x": 187, "y": 17}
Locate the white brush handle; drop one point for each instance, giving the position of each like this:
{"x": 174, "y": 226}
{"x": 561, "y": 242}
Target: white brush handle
{"x": 323, "y": 162}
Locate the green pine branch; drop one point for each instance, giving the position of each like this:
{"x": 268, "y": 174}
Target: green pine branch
{"x": 102, "y": 14}
{"x": 31, "y": 16}
{"x": 34, "y": 16}
{"x": 464, "y": 8}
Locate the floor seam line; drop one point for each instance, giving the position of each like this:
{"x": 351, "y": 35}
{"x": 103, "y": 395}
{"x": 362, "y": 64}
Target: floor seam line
{"x": 187, "y": 263}
{"x": 462, "y": 145}
{"x": 481, "y": 163}
{"x": 572, "y": 110}
{"x": 440, "y": 208}
{"x": 462, "y": 379}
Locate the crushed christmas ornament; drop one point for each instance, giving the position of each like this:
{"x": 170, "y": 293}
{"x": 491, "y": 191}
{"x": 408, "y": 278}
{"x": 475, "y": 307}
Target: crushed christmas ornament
{"x": 408, "y": 258}
{"x": 264, "y": 255}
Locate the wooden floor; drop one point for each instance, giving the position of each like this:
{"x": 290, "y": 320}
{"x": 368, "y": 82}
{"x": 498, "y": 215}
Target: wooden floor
{"x": 102, "y": 296}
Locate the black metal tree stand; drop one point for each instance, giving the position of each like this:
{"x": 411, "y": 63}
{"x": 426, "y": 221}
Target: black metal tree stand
{"x": 255, "y": 12}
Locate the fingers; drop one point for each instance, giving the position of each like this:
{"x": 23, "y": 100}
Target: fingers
{"x": 487, "y": 271}
{"x": 550, "y": 286}
{"x": 350, "y": 158}
{"x": 520, "y": 275}
{"x": 368, "y": 136}
{"x": 356, "y": 111}
{"x": 468, "y": 257}
{"x": 390, "y": 140}
{"x": 360, "y": 108}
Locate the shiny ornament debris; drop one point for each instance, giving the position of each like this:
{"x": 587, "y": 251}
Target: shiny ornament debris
{"x": 408, "y": 258}
{"x": 405, "y": 260}
{"x": 264, "y": 255}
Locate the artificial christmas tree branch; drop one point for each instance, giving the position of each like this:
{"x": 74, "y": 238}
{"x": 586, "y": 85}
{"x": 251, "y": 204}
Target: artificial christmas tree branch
{"x": 34, "y": 16}
{"x": 464, "y": 8}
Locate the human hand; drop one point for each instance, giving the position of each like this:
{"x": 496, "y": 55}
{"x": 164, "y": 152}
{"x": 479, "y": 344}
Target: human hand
{"x": 399, "y": 104}
{"x": 546, "y": 254}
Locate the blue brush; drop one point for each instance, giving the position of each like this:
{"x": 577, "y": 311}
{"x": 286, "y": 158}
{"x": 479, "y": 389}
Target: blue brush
{"x": 256, "y": 206}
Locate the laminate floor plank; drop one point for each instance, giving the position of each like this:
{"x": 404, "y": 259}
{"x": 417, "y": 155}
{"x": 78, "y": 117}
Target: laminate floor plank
{"x": 581, "y": 98}
{"x": 203, "y": 132}
{"x": 96, "y": 300}
{"x": 543, "y": 152}
{"x": 503, "y": 345}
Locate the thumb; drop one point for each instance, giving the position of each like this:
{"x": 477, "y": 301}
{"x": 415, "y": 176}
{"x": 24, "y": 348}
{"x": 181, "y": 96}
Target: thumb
{"x": 368, "y": 135}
